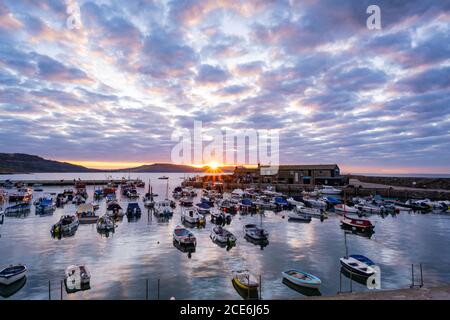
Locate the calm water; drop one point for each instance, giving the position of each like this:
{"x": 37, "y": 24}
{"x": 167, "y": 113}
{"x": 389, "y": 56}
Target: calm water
{"x": 121, "y": 263}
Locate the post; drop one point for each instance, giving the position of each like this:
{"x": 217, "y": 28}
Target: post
{"x": 146, "y": 289}
{"x": 412, "y": 275}
{"x": 49, "y": 291}
{"x": 158, "y": 289}
{"x": 260, "y": 287}
{"x": 61, "y": 291}
{"x": 421, "y": 276}
{"x": 351, "y": 282}
{"x": 340, "y": 282}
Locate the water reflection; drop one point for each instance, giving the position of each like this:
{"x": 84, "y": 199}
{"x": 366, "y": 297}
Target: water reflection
{"x": 309, "y": 292}
{"x": 10, "y": 290}
{"x": 246, "y": 294}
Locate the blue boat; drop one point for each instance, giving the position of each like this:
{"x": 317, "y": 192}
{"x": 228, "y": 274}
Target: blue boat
{"x": 333, "y": 200}
{"x": 203, "y": 208}
{"x": 45, "y": 206}
{"x": 302, "y": 278}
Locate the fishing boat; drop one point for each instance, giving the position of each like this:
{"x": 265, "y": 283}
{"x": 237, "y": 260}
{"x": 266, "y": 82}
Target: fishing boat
{"x": 133, "y": 210}
{"x": 302, "y": 278}
{"x": 45, "y": 206}
{"x": 12, "y": 273}
{"x": 18, "y": 208}
{"x": 105, "y": 223}
{"x": 220, "y": 217}
{"x": 203, "y": 208}
{"x": 186, "y": 201}
{"x": 86, "y": 214}
{"x": 245, "y": 280}
{"x": 343, "y": 208}
{"x": 226, "y": 206}
{"x": 358, "y": 265}
{"x": 66, "y": 224}
{"x": 222, "y": 235}
{"x": 183, "y": 236}
{"x": 192, "y": 216}
{"x": 149, "y": 202}
{"x": 357, "y": 224}
{"x": 77, "y": 275}
{"x": 177, "y": 192}
{"x": 299, "y": 216}
{"x": 329, "y": 190}
{"x": 256, "y": 233}
{"x": 246, "y": 205}
{"x": 163, "y": 208}
{"x": 98, "y": 194}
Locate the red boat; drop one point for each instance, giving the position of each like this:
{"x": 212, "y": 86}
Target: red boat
{"x": 357, "y": 224}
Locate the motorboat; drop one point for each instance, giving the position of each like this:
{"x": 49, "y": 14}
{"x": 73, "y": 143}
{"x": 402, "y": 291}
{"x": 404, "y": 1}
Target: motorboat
{"x": 45, "y": 206}
{"x": 222, "y": 235}
{"x": 281, "y": 203}
{"x": 163, "y": 208}
{"x": 312, "y": 212}
{"x": 79, "y": 199}
{"x": 226, "y": 206}
{"x": 86, "y": 214}
{"x": 66, "y": 224}
{"x": 186, "y": 202}
{"x": 298, "y": 215}
{"x": 369, "y": 208}
{"x": 302, "y": 278}
{"x": 245, "y": 280}
{"x": 357, "y": 224}
{"x": 12, "y": 273}
{"x": 203, "y": 208}
{"x": 177, "y": 192}
{"x": 183, "y": 236}
{"x": 18, "y": 208}
{"x": 329, "y": 190}
{"x": 192, "y": 216}
{"x": 98, "y": 194}
{"x": 358, "y": 265}
{"x": 254, "y": 232}
{"x": 246, "y": 205}
{"x": 220, "y": 217}
{"x": 344, "y": 208}
{"x": 316, "y": 203}
{"x": 105, "y": 223}
{"x": 133, "y": 210}
{"x": 77, "y": 275}
{"x": 296, "y": 201}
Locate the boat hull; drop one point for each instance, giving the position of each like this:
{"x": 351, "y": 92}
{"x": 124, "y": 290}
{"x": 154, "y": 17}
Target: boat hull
{"x": 313, "y": 284}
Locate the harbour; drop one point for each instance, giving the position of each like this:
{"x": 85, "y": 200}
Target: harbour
{"x": 139, "y": 260}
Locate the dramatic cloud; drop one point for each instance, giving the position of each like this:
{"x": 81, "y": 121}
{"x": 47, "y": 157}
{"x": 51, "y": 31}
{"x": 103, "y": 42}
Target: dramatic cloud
{"x": 135, "y": 71}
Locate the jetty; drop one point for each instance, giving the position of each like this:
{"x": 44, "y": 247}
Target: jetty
{"x": 68, "y": 182}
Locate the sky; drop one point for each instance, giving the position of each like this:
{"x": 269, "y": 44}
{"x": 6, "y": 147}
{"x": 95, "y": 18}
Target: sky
{"x": 112, "y": 92}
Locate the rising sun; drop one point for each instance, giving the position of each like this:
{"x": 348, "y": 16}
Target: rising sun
{"x": 213, "y": 165}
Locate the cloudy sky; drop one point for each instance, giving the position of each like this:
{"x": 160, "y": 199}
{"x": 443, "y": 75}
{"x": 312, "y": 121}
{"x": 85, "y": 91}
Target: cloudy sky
{"x": 116, "y": 89}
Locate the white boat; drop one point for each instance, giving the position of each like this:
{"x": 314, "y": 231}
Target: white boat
{"x": 77, "y": 275}
{"x": 191, "y": 216}
{"x": 296, "y": 215}
{"x": 254, "y": 232}
{"x": 12, "y": 273}
{"x": 302, "y": 278}
{"x": 314, "y": 193}
{"x": 369, "y": 208}
{"x": 329, "y": 190}
{"x": 163, "y": 208}
{"x": 114, "y": 209}
{"x": 105, "y": 223}
{"x": 317, "y": 203}
{"x": 295, "y": 202}
{"x": 222, "y": 235}
{"x": 220, "y": 216}
{"x": 245, "y": 280}
{"x": 66, "y": 224}
{"x": 183, "y": 236}
{"x": 313, "y": 212}
{"x": 343, "y": 208}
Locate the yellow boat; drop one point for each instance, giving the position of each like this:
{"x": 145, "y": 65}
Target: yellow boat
{"x": 245, "y": 280}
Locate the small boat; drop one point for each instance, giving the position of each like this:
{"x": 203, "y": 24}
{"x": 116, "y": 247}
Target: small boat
{"x": 45, "y": 206}
{"x": 296, "y": 201}
{"x": 86, "y": 214}
{"x": 177, "y": 192}
{"x": 329, "y": 190}
{"x": 245, "y": 280}
{"x": 369, "y": 208}
{"x": 222, "y": 235}
{"x": 114, "y": 209}
{"x": 133, "y": 210}
{"x": 358, "y": 265}
{"x": 302, "y": 278}
{"x": 12, "y": 273}
{"x": 298, "y": 215}
{"x": 37, "y": 187}
{"x": 317, "y": 203}
{"x": 98, "y": 194}
{"x": 343, "y": 208}
{"x": 183, "y": 236}
{"x": 203, "y": 208}
{"x": 18, "y": 208}
{"x": 192, "y": 216}
{"x": 254, "y": 232}
{"x": 281, "y": 203}
{"x": 66, "y": 224}
{"x": 163, "y": 178}
{"x": 312, "y": 212}
{"x": 77, "y": 275}
{"x": 220, "y": 217}
{"x": 357, "y": 224}
{"x": 163, "y": 208}
{"x": 186, "y": 202}
{"x": 105, "y": 223}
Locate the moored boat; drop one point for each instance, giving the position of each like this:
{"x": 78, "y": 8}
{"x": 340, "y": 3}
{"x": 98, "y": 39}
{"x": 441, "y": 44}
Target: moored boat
{"x": 105, "y": 223}
{"x": 86, "y": 214}
{"x": 357, "y": 265}
{"x": 299, "y": 216}
{"x": 256, "y": 233}
{"x": 329, "y": 190}
{"x": 18, "y": 208}
{"x": 302, "y": 278}
{"x": 186, "y": 202}
{"x": 12, "y": 273}
{"x": 77, "y": 275}
{"x": 357, "y": 224}
{"x": 192, "y": 216}
{"x": 163, "y": 208}
{"x": 222, "y": 235}
{"x": 245, "y": 280}
{"x": 45, "y": 206}
{"x": 66, "y": 224}
{"x": 183, "y": 236}
{"x": 133, "y": 210}
{"x": 343, "y": 208}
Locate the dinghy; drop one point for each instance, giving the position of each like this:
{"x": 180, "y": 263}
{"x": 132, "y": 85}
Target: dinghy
{"x": 66, "y": 224}
{"x": 312, "y": 212}
{"x": 12, "y": 273}
{"x": 254, "y": 232}
{"x": 302, "y": 278}
{"x": 222, "y": 235}
{"x": 357, "y": 267}
{"x": 192, "y": 216}
{"x": 357, "y": 224}
{"x": 183, "y": 236}
{"x": 245, "y": 280}
{"x": 299, "y": 216}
